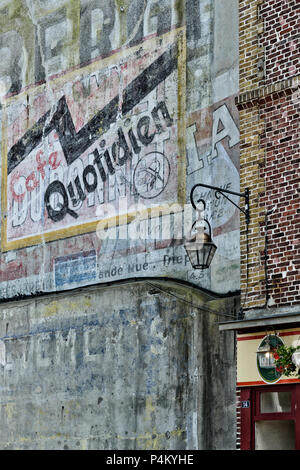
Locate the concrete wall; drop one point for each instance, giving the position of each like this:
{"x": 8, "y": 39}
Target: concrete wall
{"x": 119, "y": 367}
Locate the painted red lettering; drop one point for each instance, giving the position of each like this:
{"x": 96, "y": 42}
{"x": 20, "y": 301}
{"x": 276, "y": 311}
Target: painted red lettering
{"x": 41, "y": 164}
{"x": 16, "y": 197}
{"x": 31, "y": 182}
{"x": 53, "y": 161}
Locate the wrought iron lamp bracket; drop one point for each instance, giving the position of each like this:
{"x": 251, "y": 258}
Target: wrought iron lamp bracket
{"x": 220, "y": 191}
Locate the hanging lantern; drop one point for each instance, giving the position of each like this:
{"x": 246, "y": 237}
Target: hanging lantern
{"x": 200, "y": 250}
{"x": 200, "y": 247}
{"x": 265, "y": 358}
{"x": 265, "y": 354}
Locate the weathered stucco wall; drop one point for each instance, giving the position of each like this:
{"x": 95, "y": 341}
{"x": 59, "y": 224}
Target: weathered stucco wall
{"x": 113, "y": 108}
{"x": 123, "y": 367}
{"x": 111, "y": 111}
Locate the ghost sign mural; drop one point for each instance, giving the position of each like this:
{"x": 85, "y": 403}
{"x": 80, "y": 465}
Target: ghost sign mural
{"x": 95, "y": 141}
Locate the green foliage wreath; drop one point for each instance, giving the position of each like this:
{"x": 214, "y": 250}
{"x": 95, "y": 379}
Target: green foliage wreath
{"x": 283, "y": 360}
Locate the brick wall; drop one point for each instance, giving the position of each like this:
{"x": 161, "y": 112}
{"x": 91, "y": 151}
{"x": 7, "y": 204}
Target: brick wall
{"x": 281, "y": 174}
{"x": 251, "y": 53}
{"x": 279, "y": 38}
{"x": 269, "y": 103}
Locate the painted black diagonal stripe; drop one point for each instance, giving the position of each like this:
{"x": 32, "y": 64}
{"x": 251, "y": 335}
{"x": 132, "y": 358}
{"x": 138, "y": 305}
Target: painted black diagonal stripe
{"x": 75, "y": 143}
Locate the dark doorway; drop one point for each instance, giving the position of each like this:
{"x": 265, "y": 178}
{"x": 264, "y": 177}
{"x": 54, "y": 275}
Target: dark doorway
{"x": 271, "y": 419}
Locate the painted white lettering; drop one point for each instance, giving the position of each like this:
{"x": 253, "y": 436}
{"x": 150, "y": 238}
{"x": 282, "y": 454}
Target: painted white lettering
{"x": 223, "y": 118}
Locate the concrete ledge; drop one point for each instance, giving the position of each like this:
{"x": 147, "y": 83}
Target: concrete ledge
{"x": 260, "y": 324}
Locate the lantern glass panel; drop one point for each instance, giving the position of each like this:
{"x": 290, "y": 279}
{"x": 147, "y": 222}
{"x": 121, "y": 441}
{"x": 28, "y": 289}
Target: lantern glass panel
{"x": 266, "y": 359}
{"x": 200, "y": 254}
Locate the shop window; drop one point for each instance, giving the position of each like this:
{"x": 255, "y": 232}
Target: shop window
{"x": 271, "y": 419}
{"x": 275, "y": 435}
{"x": 275, "y": 402}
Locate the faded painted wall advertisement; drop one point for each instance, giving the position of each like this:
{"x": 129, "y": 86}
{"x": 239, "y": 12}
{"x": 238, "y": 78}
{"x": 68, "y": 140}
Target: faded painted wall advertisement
{"x": 111, "y": 112}
{"x": 98, "y": 159}
{"x": 92, "y": 143}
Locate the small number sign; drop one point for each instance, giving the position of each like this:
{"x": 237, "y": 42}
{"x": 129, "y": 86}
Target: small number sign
{"x": 246, "y": 404}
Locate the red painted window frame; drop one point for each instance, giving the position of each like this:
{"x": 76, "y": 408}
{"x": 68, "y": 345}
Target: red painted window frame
{"x": 252, "y": 414}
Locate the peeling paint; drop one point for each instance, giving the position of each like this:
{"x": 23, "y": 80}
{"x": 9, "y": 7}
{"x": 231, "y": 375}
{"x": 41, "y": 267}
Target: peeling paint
{"x": 105, "y": 368}
{"x": 83, "y": 365}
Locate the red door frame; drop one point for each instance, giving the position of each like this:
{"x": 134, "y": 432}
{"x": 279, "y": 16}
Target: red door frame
{"x": 250, "y": 414}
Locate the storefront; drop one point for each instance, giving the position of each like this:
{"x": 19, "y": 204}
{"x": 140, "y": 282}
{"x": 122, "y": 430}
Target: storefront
{"x": 269, "y": 401}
